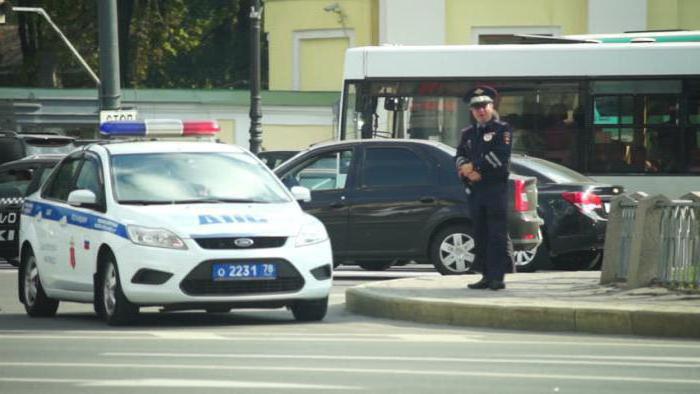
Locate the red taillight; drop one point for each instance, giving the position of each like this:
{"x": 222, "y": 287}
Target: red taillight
{"x": 521, "y": 202}
{"x": 585, "y": 201}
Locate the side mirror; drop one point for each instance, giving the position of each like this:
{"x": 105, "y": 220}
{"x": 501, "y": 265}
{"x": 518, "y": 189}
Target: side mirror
{"x": 301, "y": 193}
{"x": 82, "y": 198}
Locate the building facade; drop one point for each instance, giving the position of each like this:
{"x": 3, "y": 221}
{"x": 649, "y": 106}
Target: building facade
{"x": 308, "y": 38}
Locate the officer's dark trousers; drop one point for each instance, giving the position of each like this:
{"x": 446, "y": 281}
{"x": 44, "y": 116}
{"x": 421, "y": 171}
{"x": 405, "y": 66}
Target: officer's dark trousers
{"x": 489, "y": 206}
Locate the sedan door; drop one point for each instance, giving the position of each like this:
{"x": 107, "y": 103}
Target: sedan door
{"x": 395, "y": 197}
{"x": 327, "y": 174}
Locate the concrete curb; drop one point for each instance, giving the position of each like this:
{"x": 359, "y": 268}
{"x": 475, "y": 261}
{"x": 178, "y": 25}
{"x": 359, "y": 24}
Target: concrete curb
{"x": 618, "y": 320}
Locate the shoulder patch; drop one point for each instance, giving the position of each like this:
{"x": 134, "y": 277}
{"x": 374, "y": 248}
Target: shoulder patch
{"x": 506, "y": 137}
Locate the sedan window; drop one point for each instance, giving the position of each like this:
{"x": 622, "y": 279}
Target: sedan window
{"x": 387, "y": 167}
{"x": 328, "y": 171}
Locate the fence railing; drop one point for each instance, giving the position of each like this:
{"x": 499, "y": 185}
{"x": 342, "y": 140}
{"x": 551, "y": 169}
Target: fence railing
{"x": 653, "y": 240}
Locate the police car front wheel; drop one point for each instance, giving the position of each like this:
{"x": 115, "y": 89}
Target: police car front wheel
{"x": 110, "y": 302}
{"x": 310, "y": 310}
{"x": 36, "y": 302}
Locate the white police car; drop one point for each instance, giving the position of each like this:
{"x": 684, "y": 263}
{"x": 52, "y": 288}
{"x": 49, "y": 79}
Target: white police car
{"x": 183, "y": 225}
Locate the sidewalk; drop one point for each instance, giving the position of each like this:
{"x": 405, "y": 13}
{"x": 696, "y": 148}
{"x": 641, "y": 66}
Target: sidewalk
{"x": 553, "y": 301}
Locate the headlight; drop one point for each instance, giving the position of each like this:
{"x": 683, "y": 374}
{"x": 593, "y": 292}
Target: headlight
{"x": 157, "y": 237}
{"x": 311, "y": 233}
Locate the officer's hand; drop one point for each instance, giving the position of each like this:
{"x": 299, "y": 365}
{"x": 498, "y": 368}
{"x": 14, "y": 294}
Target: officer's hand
{"x": 474, "y": 176}
{"x": 466, "y": 169}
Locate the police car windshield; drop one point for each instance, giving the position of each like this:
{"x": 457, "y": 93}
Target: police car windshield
{"x": 186, "y": 178}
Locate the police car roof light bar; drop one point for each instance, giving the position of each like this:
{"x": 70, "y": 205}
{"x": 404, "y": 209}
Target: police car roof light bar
{"x": 160, "y": 128}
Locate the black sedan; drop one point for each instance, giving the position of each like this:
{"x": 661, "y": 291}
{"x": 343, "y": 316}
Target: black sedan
{"x": 384, "y": 201}
{"x": 575, "y": 210}
{"x": 17, "y": 179}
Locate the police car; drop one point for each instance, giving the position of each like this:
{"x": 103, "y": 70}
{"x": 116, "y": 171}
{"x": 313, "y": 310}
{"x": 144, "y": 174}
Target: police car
{"x": 183, "y": 225}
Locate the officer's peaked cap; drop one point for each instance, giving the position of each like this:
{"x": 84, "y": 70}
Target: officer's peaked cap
{"x": 480, "y": 95}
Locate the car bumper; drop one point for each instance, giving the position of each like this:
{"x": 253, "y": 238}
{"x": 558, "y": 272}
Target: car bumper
{"x": 187, "y": 275}
{"x": 524, "y": 230}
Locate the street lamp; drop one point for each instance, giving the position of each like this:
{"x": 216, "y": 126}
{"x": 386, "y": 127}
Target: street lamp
{"x": 255, "y": 101}
{"x": 5, "y": 7}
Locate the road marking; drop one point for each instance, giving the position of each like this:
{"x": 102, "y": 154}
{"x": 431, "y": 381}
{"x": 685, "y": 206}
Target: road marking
{"x": 345, "y": 370}
{"x": 179, "y": 383}
{"x": 695, "y": 363}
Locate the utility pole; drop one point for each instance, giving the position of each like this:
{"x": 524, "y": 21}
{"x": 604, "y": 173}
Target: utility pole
{"x": 110, "y": 89}
{"x": 255, "y": 101}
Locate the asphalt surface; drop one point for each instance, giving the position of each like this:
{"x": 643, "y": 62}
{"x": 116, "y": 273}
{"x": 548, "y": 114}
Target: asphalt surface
{"x": 551, "y": 301}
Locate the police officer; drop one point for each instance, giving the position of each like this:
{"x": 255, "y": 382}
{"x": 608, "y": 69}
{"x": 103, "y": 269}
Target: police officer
{"x": 483, "y": 158}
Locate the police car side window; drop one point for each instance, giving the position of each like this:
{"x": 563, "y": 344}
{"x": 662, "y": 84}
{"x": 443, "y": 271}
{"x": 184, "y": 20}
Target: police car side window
{"x": 61, "y": 182}
{"x": 89, "y": 178}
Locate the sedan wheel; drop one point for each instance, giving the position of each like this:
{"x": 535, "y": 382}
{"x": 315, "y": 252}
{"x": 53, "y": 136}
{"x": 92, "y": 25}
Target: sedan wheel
{"x": 453, "y": 251}
{"x": 525, "y": 260}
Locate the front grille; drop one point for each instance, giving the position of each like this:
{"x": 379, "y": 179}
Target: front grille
{"x": 230, "y": 242}
{"x": 199, "y": 281}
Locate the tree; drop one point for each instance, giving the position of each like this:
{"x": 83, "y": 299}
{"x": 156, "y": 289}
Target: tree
{"x": 163, "y": 43}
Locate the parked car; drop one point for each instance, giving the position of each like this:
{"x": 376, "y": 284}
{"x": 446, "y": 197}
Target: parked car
{"x": 17, "y": 179}
{"x": 14, "y": 146}
{"x": 575, "y": 210}
{"x": 384, "y": 201}
{"x": 274, "y": 158}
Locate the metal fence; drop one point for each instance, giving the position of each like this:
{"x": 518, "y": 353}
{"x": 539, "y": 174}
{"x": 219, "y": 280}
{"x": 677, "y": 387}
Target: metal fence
{"x": 629, "y": 216}
{"x": 679, "y": 257}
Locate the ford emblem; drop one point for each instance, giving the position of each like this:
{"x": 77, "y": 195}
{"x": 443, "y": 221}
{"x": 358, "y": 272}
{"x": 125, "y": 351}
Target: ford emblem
{"x": 243, "y": 242}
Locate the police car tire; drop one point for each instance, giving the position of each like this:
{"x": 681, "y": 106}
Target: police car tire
{"x": 446, "y": 235}
{"x": 41, "y": 305}
{"x": 123, "y": 312}
{"x": 310, "y": 310}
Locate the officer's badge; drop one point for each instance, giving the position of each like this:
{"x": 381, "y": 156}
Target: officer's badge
{"x": 488, "y": 136}
{"x": 506, "y": 137}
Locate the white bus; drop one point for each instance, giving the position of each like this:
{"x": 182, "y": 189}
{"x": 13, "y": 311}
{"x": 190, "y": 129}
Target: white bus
{"x": 626, "y": 113}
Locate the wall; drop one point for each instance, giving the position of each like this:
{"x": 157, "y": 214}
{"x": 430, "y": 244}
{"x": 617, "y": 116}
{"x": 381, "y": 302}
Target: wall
{"x": 462, "y": 15}
{"x": 296, "y": 137}
{"x": 673, "y": 14}
{"x": 294, "y": 26}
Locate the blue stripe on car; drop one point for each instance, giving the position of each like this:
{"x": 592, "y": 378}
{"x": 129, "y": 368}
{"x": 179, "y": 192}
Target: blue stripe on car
{"x": 74, "y": 217}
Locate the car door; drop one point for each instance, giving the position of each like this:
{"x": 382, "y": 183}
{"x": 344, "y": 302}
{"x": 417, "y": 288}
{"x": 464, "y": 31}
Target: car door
{"x": 391, "y": 205}
{"x": 84, "y": 241}
{"x": 51, "y": 223}
{"x": 327, "y": 173}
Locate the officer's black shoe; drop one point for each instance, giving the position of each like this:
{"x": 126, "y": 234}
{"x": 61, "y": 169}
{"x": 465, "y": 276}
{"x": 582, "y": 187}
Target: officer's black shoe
{"x": 480, "y": 285}
{"x": 496, "y": 285}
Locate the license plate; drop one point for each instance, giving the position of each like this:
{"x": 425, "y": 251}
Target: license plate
{"x": 607, "y": 207}
{"x": 244, "y": 271}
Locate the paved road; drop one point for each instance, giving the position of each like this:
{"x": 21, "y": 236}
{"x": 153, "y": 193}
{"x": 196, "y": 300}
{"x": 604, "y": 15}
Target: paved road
{"x": 266, "y": 351}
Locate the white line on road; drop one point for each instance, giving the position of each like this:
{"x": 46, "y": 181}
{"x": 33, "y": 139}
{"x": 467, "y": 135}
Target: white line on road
{"x": 649, "y": 362}
{"x": 179, "y": 383}
{"x": 344, "y": 371}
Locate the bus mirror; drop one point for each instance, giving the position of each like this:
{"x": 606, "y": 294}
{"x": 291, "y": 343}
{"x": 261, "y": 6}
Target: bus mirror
{"x": 395, "y": 103}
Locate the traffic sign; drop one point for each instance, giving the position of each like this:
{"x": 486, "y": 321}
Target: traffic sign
{"x": 109, "y": 116}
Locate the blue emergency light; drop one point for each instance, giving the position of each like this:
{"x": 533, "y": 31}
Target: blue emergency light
{"x": 160, "y": 128}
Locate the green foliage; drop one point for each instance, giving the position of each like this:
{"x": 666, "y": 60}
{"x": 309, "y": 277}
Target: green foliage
{"x": 163, "y": 43}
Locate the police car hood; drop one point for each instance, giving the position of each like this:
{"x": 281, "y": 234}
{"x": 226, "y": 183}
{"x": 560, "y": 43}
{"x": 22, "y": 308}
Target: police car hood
{"x": 189, "y": 221}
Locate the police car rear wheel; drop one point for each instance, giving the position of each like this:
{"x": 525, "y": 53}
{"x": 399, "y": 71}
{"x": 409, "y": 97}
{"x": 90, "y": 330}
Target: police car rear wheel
{"x": 36, "y": 302}
{"x": 453, "y": 251}
{"x": 112, "y": 304}
{"x": 310, "y": 310}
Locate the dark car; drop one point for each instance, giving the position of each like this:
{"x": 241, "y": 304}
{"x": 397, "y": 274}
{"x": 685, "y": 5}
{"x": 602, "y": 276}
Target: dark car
{"x": 18, "y": 179}
{"x": 575, "y": 210}
{"x": 384, "y": 201}
{"x": 274, "y": 158}
{"x": 14, "y": 146}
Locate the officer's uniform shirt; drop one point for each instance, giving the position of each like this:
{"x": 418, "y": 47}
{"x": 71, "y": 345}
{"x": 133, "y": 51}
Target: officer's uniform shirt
{"x": 488, "y": 148}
